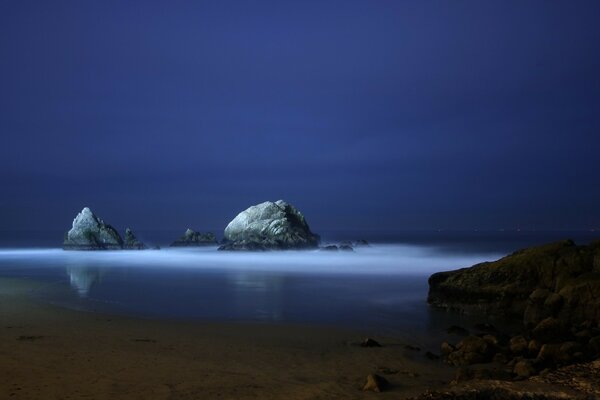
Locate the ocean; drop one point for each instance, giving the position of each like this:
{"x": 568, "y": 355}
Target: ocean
{"x": 380, "y": 289}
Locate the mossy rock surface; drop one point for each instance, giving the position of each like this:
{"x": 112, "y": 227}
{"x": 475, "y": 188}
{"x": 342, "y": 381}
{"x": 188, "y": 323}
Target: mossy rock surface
{"x": 559, "y": 279}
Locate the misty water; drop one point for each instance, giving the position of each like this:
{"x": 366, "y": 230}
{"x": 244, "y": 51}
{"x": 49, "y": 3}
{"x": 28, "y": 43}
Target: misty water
{"x": 381, "y": 288}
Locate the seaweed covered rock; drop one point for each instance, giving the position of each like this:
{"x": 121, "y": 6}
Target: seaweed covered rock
{"x": 131, "y": 242}
{"x": 269, "y": 226}
{"x": 559, "y": 280}
{"x": 192, "y": 238}
{"x": 91, "y": 233}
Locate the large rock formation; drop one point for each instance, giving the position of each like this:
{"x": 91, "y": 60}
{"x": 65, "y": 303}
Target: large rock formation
{"x": 91, "y": 233}
{"x": 560, "y": 280}
{"x": 192, "y": 238}
{"x": 132, "y": 242}
{"x": 269, "y": 225}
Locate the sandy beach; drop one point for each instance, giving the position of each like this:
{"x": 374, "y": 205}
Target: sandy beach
{"x": 48, "y": 352}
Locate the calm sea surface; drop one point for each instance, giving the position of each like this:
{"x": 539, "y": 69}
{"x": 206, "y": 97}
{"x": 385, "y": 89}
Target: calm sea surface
{"x": 381, "y": 288}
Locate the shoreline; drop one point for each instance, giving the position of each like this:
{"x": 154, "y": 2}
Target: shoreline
{"x": 52, "y": 352}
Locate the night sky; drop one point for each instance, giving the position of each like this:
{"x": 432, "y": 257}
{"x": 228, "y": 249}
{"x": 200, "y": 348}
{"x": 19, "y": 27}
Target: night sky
{"x": 364, "y": 114}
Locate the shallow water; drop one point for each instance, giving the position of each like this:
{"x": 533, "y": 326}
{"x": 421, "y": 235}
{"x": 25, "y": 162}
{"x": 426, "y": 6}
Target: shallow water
{"x": 380, "y": 288}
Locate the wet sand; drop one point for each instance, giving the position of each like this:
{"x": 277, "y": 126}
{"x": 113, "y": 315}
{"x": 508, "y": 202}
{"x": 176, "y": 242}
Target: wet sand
{"x": 47, "y": 352}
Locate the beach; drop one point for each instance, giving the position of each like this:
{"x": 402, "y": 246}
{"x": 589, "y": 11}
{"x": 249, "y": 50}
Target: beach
{"x": 49, "y": 352}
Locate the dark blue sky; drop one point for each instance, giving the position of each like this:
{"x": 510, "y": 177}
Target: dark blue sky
{"x": 364, "y": 114}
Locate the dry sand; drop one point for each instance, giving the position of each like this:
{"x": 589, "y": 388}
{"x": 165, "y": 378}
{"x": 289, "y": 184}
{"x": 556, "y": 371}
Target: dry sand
{"x": 47, "y": 352}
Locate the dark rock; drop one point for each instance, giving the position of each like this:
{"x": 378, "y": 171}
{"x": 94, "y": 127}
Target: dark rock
{"x": 533, "y": 347}
{"x": 548, "y": 354}
{"x": 345, "y": 247}
{"x": 457, "y": 330}
{"x": 518, "y": 345}
{"x": 244, "y": 245}
{"x": 91, "y": 233}
{"x": 432, "y": 356}
{"x": 192, "y": 238}
{"x": 411, "y": 347}
{"x": 446, "y": 349}
{"x": 500, "y": 358}
{"x": 375, "y": 383}
{"x": 362, "y": 242}
{"x": 566, "y": 352}
{"x": 471, "y": 350}
{"x": 131, "y": 242}
{"x": 524, "y": 369}
{"x": 368, "y": 342}
{"x": 550, "y": 330}
{"x": 330, "y": 247}
{"x": 491, "y": 340}
{"x": 269, "y": 225}
{"x": 594, "y": 346}
{"x": 518, "y": 286}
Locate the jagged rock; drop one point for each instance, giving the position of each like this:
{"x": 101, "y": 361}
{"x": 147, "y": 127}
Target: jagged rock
{"x": 330, "y": 247}
{"x": 363, "y": 242}
{"x": 131, "y": 242}
{"x": 345, "y": 247}
{"x": 375, "y": 383}
{"x": 91, "y": 233}
{"x": 192, "y": 238}
{"x": 267, "y": 226}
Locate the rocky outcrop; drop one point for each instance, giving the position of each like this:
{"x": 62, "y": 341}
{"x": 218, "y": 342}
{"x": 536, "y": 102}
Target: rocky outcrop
{"x": 91, "y": 233}
{"x": 559, "y": 280}
{"x": 269, "y": 226}
{"x": 552, "y": 289}
{"x": 192, "y": 238}
{"x": 131, "y": 242}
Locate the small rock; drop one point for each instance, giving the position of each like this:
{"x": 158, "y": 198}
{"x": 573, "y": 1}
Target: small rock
{"x": 533, "y": 347}
{"x": 491, "y": 340}
{"x": 375, "y": 383}
{"x": 192, "y": 238}
{"x": 446, "y": 348}
{"x": 524, "y": 369}
{"x": 549, "y": 330}
{"x": 432, "y": 356}
{"x": 553, "y": 302}
{"x": 368, "y": 342}
{"x": 548, "y": 353}
{"x": 518, "y": 345}
{"x": 131, "y": 242}
{"x": 594, "y": 345}
{"x": 500, "y": 358}
{"x": 331, "y": 247}
{"x": 471, "y": 350}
